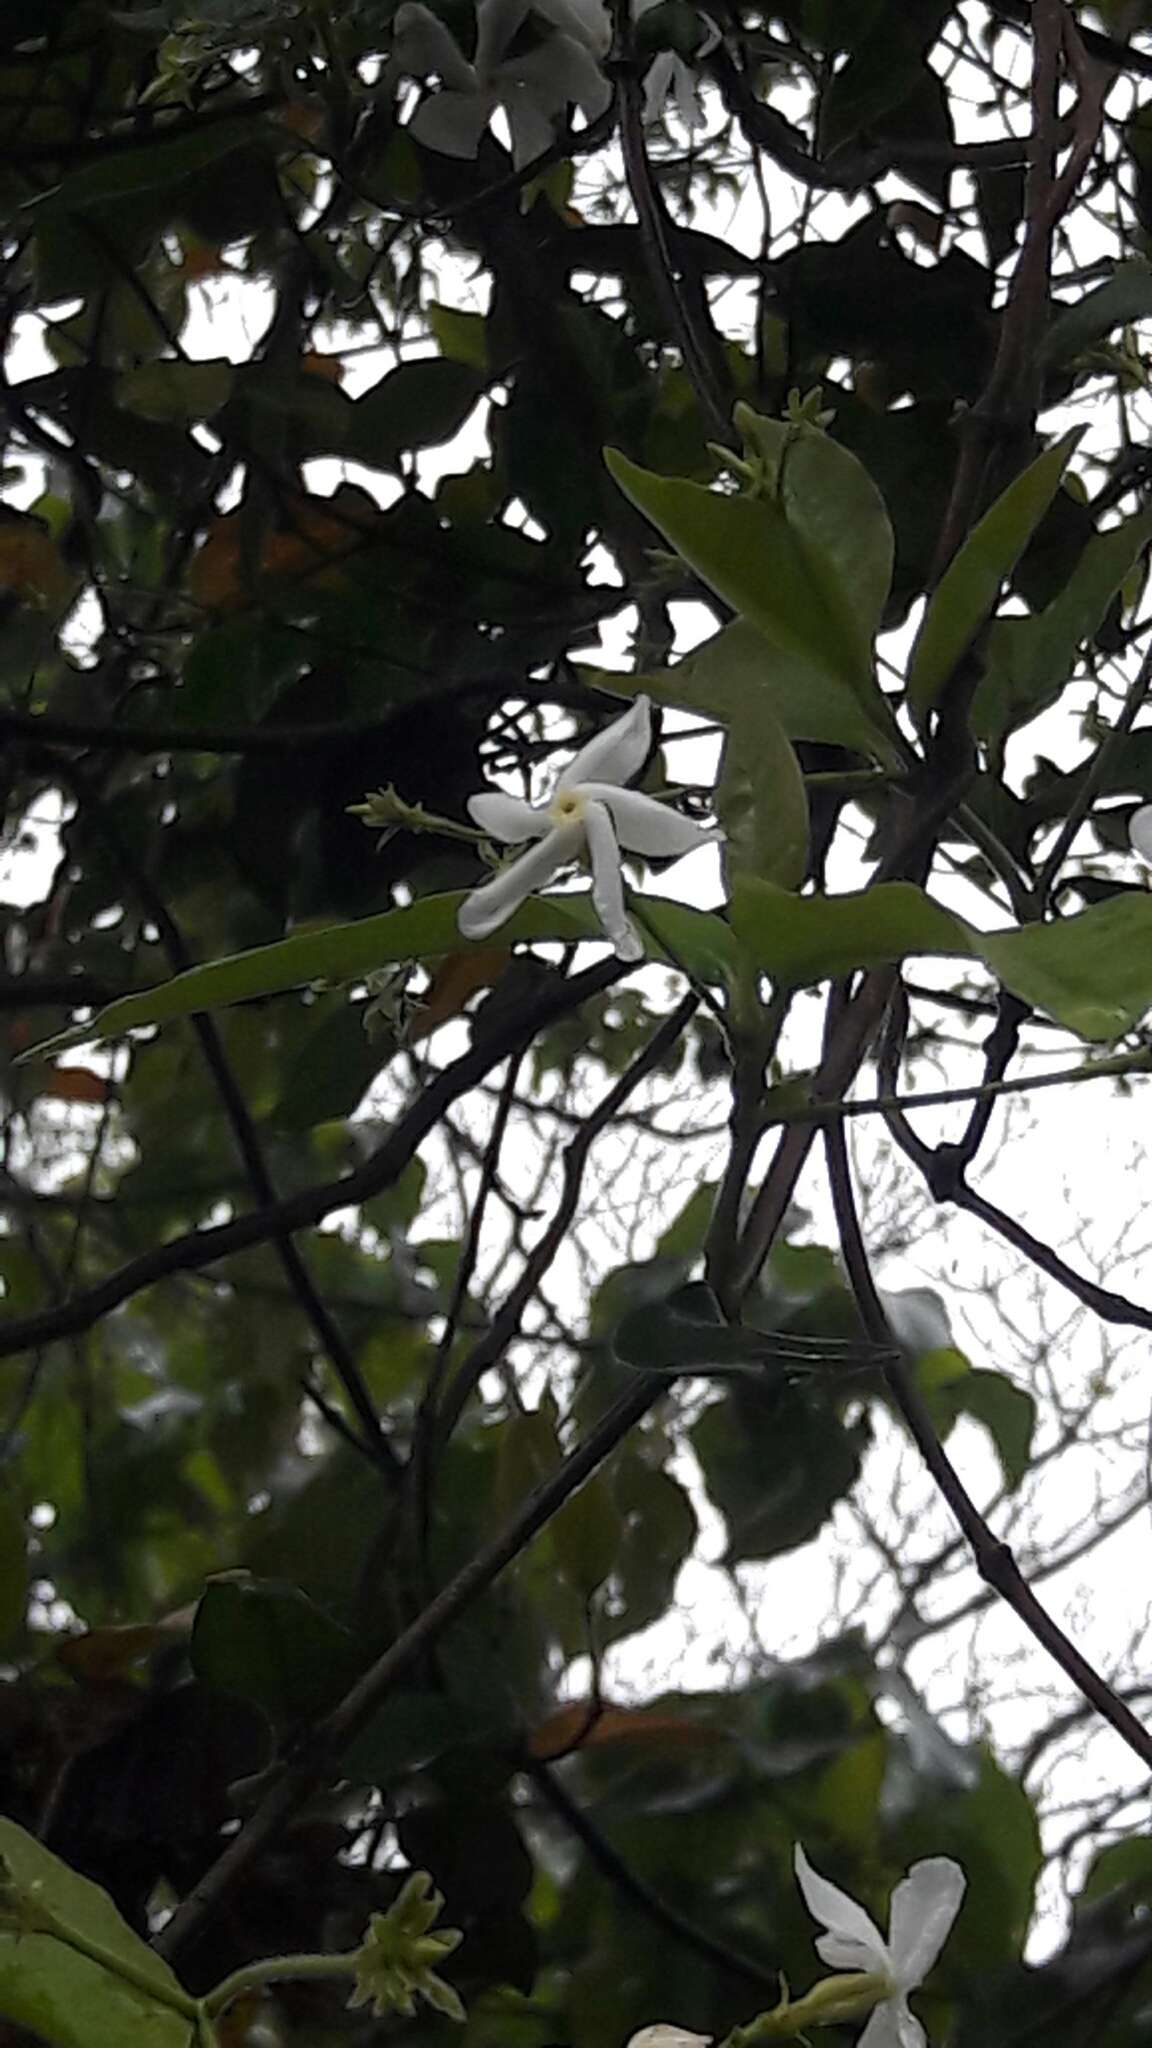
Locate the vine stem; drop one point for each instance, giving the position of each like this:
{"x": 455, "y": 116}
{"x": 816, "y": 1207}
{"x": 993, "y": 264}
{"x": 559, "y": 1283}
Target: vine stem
{"x": 994, "y": 1560}
{"x": 332, "y": 1735}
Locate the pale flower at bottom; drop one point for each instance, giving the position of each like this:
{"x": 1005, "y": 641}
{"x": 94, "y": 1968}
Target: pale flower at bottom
{"x": 924, "y": 1906}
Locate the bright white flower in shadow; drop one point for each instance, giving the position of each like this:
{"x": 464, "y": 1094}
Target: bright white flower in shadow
{"x": 1140, "y": 832}
{"x": 924, "y": 1905}
{"x": 664, "y": 2036}
{"x": 590, "y": 814}
{"x": 535, "y": 90}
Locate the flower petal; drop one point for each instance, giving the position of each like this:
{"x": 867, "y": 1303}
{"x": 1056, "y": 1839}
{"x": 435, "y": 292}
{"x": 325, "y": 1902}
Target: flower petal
{"x": 893, "y": 2026}
{"x": 496, "y": 23}
{"x": 686, "y": 89}
{"x": 657, "y": 84}
{"x": 531, "y": 129}
{"x": 586, "y": 20}
{"x": 852, "y": 1942}
{"x": 1140, "y": 832}
{"x": 507, "y": 817}
{"x": 608, "y": 884}
{"x": 492, "y": 904}
{"x": 924, "y": 1905}
{"x": 664, "y": 2036}
{"x": 614, "y": 754}
{"x": 422, "y": 43}
{"x": 452, "y": 122}
{"x": 555, "y": 74}
{"x": 644, "y": 826}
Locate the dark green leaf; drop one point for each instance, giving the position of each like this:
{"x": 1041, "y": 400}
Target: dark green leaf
{"x": 422, "y": 930}
{"x": 163, "y": 162}
{"x": 760, "y": 799}
{"x": 418, "y": 405}
{"x": 1030, "y": 661}
{"x": 806, "y": 560}
{"x": 967, "y": 592}
{"x": 266, "y": 1642}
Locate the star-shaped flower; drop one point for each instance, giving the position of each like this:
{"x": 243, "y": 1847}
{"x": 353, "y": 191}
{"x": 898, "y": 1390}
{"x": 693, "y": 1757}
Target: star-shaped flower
{"x": 535, "y": 89}
{"x": 591, "y": 814}
{"x": 396, "y": 1963}
{"x": 924, "y": 1905}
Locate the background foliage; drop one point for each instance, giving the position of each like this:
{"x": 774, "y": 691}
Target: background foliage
{"x": 314, "y": 1281}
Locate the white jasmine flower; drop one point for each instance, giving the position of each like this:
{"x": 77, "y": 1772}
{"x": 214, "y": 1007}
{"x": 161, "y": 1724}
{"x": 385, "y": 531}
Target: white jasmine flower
{"x": 591, "y": 814}
{"x": 664, "y": 2036}
{"x": 1140, "y": 832}
{"x": 535, "y": 90}
{"x": 924, "y": 1905}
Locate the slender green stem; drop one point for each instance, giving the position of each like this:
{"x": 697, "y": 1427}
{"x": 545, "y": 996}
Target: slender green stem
{"x": 980, "y": 1091}
{"x": 270, "y": 1970}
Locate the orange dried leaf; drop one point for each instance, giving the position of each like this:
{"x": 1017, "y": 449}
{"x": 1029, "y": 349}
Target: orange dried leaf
{"x": 457, "y": 978}
{"x": 31, "y": 565}
{"x": 316, "y": 535}
{"x": 577, "y": 1724}
{"x": 74, "y": 1084}
{"x": 107, "y": 1653}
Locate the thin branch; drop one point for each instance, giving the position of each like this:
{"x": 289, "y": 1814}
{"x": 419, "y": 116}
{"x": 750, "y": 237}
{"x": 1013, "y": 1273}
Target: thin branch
{"x": 994, "y": 1560}
{"x": 626, "y": 1881}
{"x": 319, "y": 1758}
{"x": 506, "y": 1324}
{"x": 199, "y": 1248}
{"x": 689, "y": 325}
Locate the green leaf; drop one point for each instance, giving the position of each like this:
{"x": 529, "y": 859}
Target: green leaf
{"x": 801, "y": 939}
{"x": 1126, "y": 296}
{"x": 760, "y": 799}
{"x": 584, "y": 1534}
{"x": 1006, "y": 1411}
{"x": 775, "y": 1460}
{"x": 418, "y": 405}
{"x": 807, "y": 560}
{"x": 1030, "y": 661}
{"x": 1123, "y": 1866}
{"x": 463, "y": 337}
{"x": 1092, "y": 972}
{"x": 688, "y": 1333}
{"x": 266, "y": 1642}
{"x": 967, "y": 592}
{"x": 49, "y": 1985}
{"x": 420, "y": 931}
{"x": 332, "y": 1069}
{"x": 739, "y": 664}
{"x": 159, "y": 163}
{"x": 409, "y": 1732}
{"x": 171, "y": 392}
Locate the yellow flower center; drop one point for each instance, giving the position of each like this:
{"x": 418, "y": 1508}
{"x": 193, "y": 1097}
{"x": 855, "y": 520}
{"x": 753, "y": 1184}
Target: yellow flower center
{"x": 567, "y": 808}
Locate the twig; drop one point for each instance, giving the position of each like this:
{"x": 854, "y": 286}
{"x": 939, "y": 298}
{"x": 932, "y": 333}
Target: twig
{"x": 1081, "y": 804}
{"x": 689, "y": 327}
{"x": 631, "y": 1886}
{"x": 506, "y": 1324}
{"x": 1007, "y": 407}
{"x": 198, "y": 1248}
{"x": 247, "y": 1140}
{"x": 321, "y": 1754}
{"x": 994, "y": 1560}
